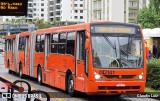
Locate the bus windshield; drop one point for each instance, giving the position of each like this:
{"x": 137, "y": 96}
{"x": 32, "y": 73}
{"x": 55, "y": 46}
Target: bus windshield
{"x": 117, "y": 51}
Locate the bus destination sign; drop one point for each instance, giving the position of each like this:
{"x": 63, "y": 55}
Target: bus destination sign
{"x": 13, "y": 7}
{"x": 113, "y": 29}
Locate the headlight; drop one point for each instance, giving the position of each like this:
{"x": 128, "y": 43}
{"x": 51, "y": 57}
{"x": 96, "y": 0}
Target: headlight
{"x": 97, "y": 76}
{"x": 140, "y": 76}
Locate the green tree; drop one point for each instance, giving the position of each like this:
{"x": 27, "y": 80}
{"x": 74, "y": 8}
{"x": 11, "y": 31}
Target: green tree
{"x": 155, "y": 5}
{"x": 149, "y": 17}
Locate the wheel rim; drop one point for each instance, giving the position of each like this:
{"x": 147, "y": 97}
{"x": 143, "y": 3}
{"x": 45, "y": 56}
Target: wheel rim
{"x": 70, "y": 85}
{"x": 20, "y": 71}
{"x": 39, "y": 76}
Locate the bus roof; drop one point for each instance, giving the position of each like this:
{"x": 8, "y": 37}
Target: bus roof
{"x": 82, "y": 26}
{"x": 63, "y": 28}
{"x": 114, "y": 23}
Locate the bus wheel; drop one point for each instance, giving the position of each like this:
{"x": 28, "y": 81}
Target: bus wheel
{"x": 70, "y": 85}
{"x": 20, "y": 71}
{"x": 39, "y": 78}
{"x": 9, "y": 71}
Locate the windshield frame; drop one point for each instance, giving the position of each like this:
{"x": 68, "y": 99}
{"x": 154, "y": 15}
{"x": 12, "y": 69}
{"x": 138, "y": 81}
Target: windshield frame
{"x": 118, "y": 35}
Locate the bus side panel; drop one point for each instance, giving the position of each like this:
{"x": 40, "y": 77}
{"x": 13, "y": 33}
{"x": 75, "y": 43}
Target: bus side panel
{"x": 54, "y": 65}
{"x": 5, "y": 60}
{"x": 70, "y": 64}
{"x": 51, "y": 68}
{"x": 62, "y": 70}
{"x": 80, "y": 76}
{"x": 21, "y": 59}
{"x": 36, "y": 57}
{"x": 10, "y": 58}
{"x": 41, "y": 59}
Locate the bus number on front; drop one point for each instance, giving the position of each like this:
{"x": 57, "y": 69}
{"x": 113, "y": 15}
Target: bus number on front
{"x": 106, "y": 72}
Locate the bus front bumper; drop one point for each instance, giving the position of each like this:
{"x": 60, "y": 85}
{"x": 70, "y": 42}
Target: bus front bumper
{"x": 115, "y": 87}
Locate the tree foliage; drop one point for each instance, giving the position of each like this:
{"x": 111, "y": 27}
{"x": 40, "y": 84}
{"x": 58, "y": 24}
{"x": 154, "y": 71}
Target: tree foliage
{"x": 149, "y": 17}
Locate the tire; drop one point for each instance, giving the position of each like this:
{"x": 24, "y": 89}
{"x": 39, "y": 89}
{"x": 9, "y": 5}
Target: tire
{"x": 70, "y": 85}
{"x": 39, "y": 77}
{"x": 116, "y": 96}
{"x": 20, "y": 71}
{"x": 9, "y": 71}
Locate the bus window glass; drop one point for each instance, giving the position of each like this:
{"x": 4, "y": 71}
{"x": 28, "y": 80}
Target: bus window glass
{"x": 9, "y": 44}
{"x": 37, "y": 47}
{"x": 6, "y": 45}
{"x": 21, "y": 44}
{"x": 42, "y": 43}
{"x": 70, "y": 43}
{"x": 62, "y": 38}
{"x": 117, "y": 51}
{"x": 62, "y": 43}
{"x": 54, "y": 43}
{"x": 55, "y": 38}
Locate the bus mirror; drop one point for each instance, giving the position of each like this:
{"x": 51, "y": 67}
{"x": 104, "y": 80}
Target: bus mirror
{"x": 147, "y": 52}
{"x": 87, "y": 44}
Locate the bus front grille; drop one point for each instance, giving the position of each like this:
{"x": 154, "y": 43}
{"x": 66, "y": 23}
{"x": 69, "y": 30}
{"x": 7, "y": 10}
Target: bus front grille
{"x": 118, "y": 88}
{"x": 119, "y": 76}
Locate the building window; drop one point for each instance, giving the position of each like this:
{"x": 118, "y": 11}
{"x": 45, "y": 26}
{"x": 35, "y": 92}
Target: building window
{"x": 75, "y": 5}
{"x": 133, "y": 4}
{"x": 42, "y": 15}
{"x": 75, "y": 17}
{"x": 58, "y": 1}
{"x": 81, "y": 5}
{"x": 42, "y": 9}
{"x": 51, "y": 13}
{"x": 42, "y": 4}
{"x": 81, "y": 17}
{"x": 81, "y": 11}
{"x": 76, "y": 11}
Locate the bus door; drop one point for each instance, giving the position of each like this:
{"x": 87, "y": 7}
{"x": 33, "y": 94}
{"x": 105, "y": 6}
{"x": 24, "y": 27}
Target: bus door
{"x": 15, "y": 52}
{"x": 26, "y": 56}
{"x": 46, "y": 53}
{"x": 6, "y": 53}
{"x": 80, "y": 63}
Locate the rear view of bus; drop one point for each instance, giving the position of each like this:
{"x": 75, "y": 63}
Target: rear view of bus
{"x": 116, "y": 59}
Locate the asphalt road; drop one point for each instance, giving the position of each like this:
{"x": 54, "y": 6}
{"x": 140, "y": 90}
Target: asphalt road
{"x": 59, "y": 95}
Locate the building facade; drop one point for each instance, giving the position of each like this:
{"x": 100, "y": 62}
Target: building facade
{"x": 69, "y": 10}
{"x": 83, "y": 10}
{"x": 42, "y": 9}
{"x": 114, "y": 10}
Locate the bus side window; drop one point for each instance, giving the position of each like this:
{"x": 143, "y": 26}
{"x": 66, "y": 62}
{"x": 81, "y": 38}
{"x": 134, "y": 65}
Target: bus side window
{"x": 41, "y": 49}
{"x": 70, "y": 43}
{"x": 37, "y": 47}
{"x": 6, "y": 45}
{"x": 62, "y": 43}
{"x": 21, "y": 44}
{"x": 54, "y": 42}
{"x": 81, "y": 55}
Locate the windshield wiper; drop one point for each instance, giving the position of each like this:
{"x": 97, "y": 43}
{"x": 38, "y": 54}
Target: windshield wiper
{"x": 108, "y": 40}
{"x": 111, "y": 44}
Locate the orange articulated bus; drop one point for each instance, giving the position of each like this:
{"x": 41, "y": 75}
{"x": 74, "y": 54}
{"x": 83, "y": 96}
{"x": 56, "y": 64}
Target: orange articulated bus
{"x": 97, "y": 57}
